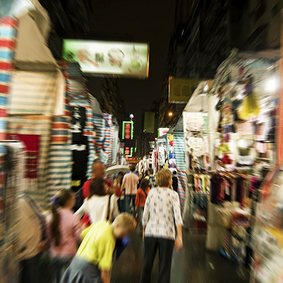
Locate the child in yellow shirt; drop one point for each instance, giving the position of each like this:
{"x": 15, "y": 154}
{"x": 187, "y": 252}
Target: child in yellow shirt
{"x": 94, "y": 256}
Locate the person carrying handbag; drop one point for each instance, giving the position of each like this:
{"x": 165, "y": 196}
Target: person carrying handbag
{"x": 99, "y": 205}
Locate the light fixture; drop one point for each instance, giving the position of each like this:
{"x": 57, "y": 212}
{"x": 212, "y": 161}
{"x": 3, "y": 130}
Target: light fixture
{"x": 204, "y": 92}
{"x": 170, "y": 114}
{"x": 272, "y": 84}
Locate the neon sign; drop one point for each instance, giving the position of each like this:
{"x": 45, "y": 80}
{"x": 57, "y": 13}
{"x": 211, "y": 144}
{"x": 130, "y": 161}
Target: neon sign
{"x": 127, "y": 136}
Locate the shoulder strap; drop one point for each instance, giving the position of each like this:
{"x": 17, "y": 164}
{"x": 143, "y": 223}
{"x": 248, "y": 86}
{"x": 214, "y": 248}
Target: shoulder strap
{"x": 108, "y": 208}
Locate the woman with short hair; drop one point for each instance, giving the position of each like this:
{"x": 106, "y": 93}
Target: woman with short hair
{"x": 161, "y": 214}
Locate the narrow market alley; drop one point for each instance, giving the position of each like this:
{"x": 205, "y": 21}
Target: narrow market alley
{"x": 193, "y": 264}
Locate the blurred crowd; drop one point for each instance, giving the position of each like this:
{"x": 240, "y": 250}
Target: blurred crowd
{"x": 84, "y": 232}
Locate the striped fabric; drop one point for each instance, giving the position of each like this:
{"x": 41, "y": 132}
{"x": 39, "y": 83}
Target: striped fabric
{"x": 179, "y": 148}
{"x": 108, "y": 138}
{"x": 60, "y": 155}
{"x": 35, "y": 93}
{"x": 35, "y": 125}
{"x": 182, "y": 184}
{"x": 41, "y": 90}
{"x": 60, "y": 133}
{"x": 115, "y": 145}
{"x": 77, "y": 90}
{"x": 7, "y": 44}
{"x": 99, "y": 128}
{"x": 78, "y": 96}
{"x": 60, "y": 158}
{"x": 73, "y": 71}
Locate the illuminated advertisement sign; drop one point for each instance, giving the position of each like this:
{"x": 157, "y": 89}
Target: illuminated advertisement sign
{"x": 162, "y": 131}
{"x": 103, "y": 57}
{"x": 127, "y": 136}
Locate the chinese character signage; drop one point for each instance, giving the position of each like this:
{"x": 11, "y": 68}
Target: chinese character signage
{"x": 181, "y": 90}
{"x": 103, "y": 57}
{"x": 127, "y": 136}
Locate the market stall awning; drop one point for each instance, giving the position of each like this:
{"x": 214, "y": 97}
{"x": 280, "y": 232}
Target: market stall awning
{"x": 178, "y": 128}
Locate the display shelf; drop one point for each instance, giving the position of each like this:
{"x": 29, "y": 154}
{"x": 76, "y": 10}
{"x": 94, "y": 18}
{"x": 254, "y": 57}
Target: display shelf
{"x": 268, "y": 234}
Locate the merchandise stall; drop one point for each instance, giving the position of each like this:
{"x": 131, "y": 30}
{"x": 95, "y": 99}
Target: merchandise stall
{"x": 200, "y": 120}
{"x": 267, "y": 236}
{"x": 245, "y": 93}
{"x": 268, "y": 232}
{"x": 161, "y": 150}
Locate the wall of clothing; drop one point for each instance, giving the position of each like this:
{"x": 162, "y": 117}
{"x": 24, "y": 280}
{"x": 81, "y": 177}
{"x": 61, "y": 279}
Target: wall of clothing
{"x": 11, "y": 173}
{"x": 243, "y": 150}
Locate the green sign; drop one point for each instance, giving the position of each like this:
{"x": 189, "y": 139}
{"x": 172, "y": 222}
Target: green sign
{"x": 149, "y": 121}
{"x": 103, "y": 57}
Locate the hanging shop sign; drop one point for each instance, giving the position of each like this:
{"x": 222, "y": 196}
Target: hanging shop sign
{"x": 162, "y": 131}
{"x": 105, "y": 57}
{"x": 149, "y": 121}
{"x": 181, "y": 90}
{"x": 127, "y": 136}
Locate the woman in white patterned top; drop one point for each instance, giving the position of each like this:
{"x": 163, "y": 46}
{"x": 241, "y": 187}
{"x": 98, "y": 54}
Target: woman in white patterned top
{"x": 161, "y": 215}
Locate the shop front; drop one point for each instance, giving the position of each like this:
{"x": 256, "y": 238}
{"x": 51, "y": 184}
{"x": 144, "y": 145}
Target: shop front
{"x": 242, "y": 148}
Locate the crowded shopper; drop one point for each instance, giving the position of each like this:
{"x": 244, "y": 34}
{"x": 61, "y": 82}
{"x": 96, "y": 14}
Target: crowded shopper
{"x": 130, "y": 183}
{"x": 118, "y": 185}
{"x": 31, "y": 239}
{"x": 152, "y": 179}
{"x": 99, "y": 205}
{"x": 161, "y": 215}
{"x": 141, "y": 196}
{"x": 93, "y": 260}
{"x": 98, "y": 171}
{"x": 63, "y": 230}
{"x": 175, "y": 181}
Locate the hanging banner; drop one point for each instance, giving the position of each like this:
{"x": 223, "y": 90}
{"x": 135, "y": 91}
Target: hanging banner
{"x": 181, "y": 90}
{"x": 149, "y": 121}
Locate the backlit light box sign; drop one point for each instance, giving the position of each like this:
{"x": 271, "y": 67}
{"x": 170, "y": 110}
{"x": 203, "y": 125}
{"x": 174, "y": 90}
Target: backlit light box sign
{"x": 105, "y": 57}
{"x": 128, "y": 137}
